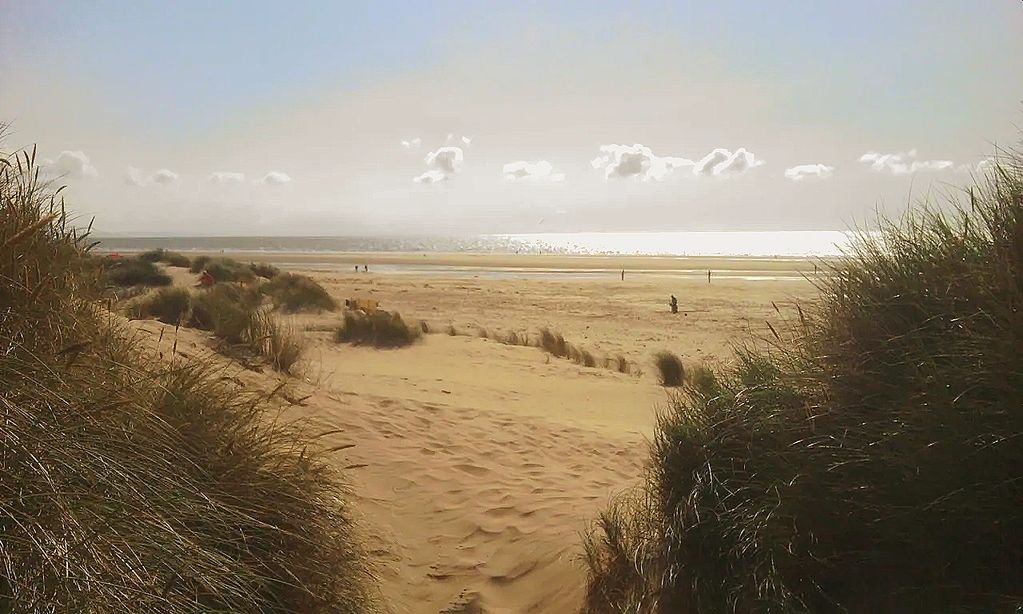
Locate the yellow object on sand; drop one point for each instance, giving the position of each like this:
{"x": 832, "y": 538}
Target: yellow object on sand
{"x": 369, "y": 305}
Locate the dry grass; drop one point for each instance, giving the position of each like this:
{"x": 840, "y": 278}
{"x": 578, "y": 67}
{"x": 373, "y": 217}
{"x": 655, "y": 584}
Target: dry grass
{"x": 869, "y": 459}
{"x": 380, "y": 329}
{"x": 169, "y": 305}
{"x": 129, "y": 483}
{"x": 669, "y": 369}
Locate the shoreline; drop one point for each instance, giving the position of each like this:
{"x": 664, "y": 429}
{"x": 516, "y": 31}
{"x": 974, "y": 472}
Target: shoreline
{"x": 549, "y": 263}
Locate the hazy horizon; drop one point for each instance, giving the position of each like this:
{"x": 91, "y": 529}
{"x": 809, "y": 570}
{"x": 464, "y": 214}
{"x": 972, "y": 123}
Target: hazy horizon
{"x": 486, "y": 118}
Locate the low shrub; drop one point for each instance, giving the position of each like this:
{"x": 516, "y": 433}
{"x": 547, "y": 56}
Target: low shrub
{"x": 669, "y": 369}
{"x": 378, "y": 329}
{"x": 292, "y": 292}
{"x": 169, "y": 305}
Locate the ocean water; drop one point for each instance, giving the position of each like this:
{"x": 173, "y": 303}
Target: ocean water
{"x": 726, "y": 243}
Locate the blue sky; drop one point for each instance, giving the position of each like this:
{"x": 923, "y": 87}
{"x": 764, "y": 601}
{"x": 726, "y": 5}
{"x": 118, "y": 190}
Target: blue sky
{"x": 324, "y": 93}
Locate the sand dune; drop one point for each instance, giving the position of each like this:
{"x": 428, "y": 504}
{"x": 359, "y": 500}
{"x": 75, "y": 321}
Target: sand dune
{"x": 475, "y": 465}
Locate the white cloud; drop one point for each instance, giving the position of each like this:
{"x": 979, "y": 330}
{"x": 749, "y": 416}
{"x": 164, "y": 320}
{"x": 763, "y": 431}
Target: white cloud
{"x": 164, "y": 176}
{"x": 722, "y": 162}
{"x": 227, "y": 177}
{"x": 69, "y": 164}
{"x": 430, "y": 177}
{"x": 538, "y": 171}
{"x": 413, "y": 143}
{"x": 622, "y": 161}
{"x": 443, "y": 164}
{"x": 136, "y": 177}
{"x": 275, "y": 178}
{"x": 903, "y": 163}
{"x": 801, "y": 172}
{"x": 467, "y": 140}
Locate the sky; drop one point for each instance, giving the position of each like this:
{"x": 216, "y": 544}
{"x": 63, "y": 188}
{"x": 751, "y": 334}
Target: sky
{"x": 443, "y": 117}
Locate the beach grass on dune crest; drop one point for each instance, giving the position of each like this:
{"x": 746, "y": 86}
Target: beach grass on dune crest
{"x": 166, "y": 256}
{"x": 131, "y": 483}
{"x": 292, "y": 292}
{"x": 871, "y": 459}
{"x": 132, "y": 272}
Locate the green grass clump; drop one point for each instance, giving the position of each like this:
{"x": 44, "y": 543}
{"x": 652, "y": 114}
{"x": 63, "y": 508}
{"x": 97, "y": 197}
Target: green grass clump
{"x": 870, "y": 460}
{"x": 292, "y": 292}
{"x": 134, "y": 484}
{"x": 169, "y": 305}
{"x": 379, "y": 329}
{"x": 133, "y": 272}
{"x": 669, "y": 369}
{"x": 223, "y": 269}
{"x": 166, "y": 256}
{"x": 224, "y": 309}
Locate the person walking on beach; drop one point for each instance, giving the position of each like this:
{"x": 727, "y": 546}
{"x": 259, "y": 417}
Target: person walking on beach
{"x": 365, "y": 268}
{"x": 708, "y": 276}
{"x": 674, "y": 304}
{"x": 623, "y": 274}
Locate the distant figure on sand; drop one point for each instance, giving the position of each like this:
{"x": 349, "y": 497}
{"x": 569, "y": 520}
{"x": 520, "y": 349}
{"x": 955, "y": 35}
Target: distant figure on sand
{"x": 356, "y": 268}
{"x": 623, "y": 274}
{"x": 674, "y": 304}
{"x": 365, "y": 268}
{"x": 708, "y": 276}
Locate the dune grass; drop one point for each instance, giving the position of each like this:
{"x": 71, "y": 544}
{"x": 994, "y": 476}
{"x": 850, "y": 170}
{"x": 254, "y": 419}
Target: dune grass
{"x": 670, "y": 372}
{"x": 135, "y": 484}
{"x": 264, "y": 270}
{"x": 379, "y": 328}
{"x": 223, "y": 269}
{"x": 167, "y": 257}
{"x": 291, "y": 292}
{"x": 132, "y": 272}
{"x": 169, "y": 305}
{"x": 871, "y": 459}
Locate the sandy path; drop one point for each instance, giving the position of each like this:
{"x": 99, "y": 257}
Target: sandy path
{"x": 482, "y": 467}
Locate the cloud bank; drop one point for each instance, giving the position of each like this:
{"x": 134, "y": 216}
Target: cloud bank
{"x": 802, "y": 172}
{"x": 539, "y": 171}
{"x": 624, "y": 161}
{"x": 902, "y": 163}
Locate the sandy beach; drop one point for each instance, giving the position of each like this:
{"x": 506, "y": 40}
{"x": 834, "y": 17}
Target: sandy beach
{"x": 476, "y": 465}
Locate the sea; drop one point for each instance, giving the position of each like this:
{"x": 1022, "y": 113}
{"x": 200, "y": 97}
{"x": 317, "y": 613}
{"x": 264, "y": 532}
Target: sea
{"x": 760, "y": 244}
